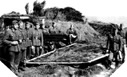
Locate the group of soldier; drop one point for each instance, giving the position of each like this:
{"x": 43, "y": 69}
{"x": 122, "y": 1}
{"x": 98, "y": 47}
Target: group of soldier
{"x": 23, "y": 41}
{"x": 115, "y": 46}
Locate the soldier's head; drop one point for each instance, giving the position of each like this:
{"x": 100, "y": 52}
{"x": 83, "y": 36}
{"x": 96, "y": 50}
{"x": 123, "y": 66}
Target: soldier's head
{"x": 71, "y": 26}
{"x": 27, "y": 25}
{"x": 121, "y": 27}
{"x": 15, "y": 24}
{"x": 37, "y": 25}
{"x": 21, "y": 24}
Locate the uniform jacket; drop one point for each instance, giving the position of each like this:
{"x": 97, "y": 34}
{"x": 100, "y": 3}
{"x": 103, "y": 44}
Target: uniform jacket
{"x": 23, "y": 38}
{"x": 45, "y": 31}
{"x": 54, "y": 30}
{"x": 71, "y": 31}
{"x": 10, "y": 36}
{"x": 29, "y": 37}
{"x": 37, "y": 37}
{"x": 115, "y": 43}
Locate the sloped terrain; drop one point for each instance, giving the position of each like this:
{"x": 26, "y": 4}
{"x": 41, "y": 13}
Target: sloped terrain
{"x": 84, "y": 30}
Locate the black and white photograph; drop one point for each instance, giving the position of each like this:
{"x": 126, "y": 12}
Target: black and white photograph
{"x": 63, "y": 38}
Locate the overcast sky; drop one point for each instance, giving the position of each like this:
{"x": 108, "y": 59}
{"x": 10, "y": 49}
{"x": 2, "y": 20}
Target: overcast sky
{"x": 102, "y": 9}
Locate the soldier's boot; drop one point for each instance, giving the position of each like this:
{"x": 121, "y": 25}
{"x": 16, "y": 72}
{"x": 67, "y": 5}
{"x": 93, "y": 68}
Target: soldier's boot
{"x": 21, "y": 67}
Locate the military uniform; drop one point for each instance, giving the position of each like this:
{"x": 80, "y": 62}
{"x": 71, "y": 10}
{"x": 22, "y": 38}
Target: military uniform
{"x": 12, "y": 35}
{"x": 54, "y": 30}
{"x": 23, "y": 47}
{"x": 28, "y": 42}
{"x": 123, "y": 35}
{"x": 114, "y": 45}
{"x": 37, "y": 41}
{"x": 45, "y": 30}
{"x": 72, "y": 34}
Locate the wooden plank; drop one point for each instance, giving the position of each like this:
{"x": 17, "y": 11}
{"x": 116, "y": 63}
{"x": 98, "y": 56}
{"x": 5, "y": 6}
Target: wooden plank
{"x": 66, "y": 63}
{"x": 67, "y": 46}
{"x": 69, "y": 63}
{"x": 98, "y": 58}
{"x": 42, "y": 55}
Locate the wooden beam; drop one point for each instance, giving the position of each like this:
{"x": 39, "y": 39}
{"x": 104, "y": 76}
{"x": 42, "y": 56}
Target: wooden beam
{"x": 70, "y": 63}
{"x": 48, "y": 53}
{"x": 98, "y": 58}
{"x": 62, "y": 63}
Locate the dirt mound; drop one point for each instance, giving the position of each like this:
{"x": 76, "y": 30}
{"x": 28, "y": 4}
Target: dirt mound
{"x": 102, "y": 28}
{"x": 84, "y": 30}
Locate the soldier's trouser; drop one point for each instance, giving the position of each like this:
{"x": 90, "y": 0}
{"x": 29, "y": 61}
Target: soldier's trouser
{"x": 23, "y": 55}
{"x": 41, "y": 51}
{"x": 115, "y": 56}
{"x": 14, "y": 59}
{"x": 28, "y": 52}
{"x": 123, "y": 55}
{"x": 37, "y": 50}
{"x": 71, "y": 38}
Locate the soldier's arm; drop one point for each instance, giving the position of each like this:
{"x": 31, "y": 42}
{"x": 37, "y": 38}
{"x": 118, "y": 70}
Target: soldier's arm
{"x": 6, "y": 37}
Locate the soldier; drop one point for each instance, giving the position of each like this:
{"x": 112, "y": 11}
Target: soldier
{"x": 45, "y": 30}
{"x": 114, "y": 46}
{"x": 72, "y": 34}
{"x": 22, "y": 44}
{"x": 12, "y": 40}
{"x": 37, "y": 40}
{"x": 28, "y": 40}
{"x": 53, "y": 29}
{"x": 123, "y": 35}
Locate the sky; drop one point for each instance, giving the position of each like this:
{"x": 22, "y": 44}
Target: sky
{"x": 104, "y": 10}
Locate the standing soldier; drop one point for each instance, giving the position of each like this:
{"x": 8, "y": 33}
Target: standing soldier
{"x": 53, "y": 29}
{"x": 28, "y": 40}
{"x": 22, "y": 44}
{"x": 72, "y": 34}
{"x": 45, "y": 30}
{"x": 37, "y": 40}
{"x": 114, "y": 46}
{"x": 123, "y": 35}
{"x": 12, "y": 40}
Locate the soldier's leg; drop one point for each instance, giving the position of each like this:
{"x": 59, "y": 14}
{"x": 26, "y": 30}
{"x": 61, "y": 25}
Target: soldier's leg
{"x": 116, "y": 59}
{"x": 18, "y": 58}
{"x": 28, "y": 52}
{"x": 70, "y": 39}
{"x": 11, "y": 60}
{"x": 123, "y": 54}
{"x": 22, "y": 61}
{"x": 37, "y": 50}
{"x": 33, "y": 52}
{"x": 41, "y": 51}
